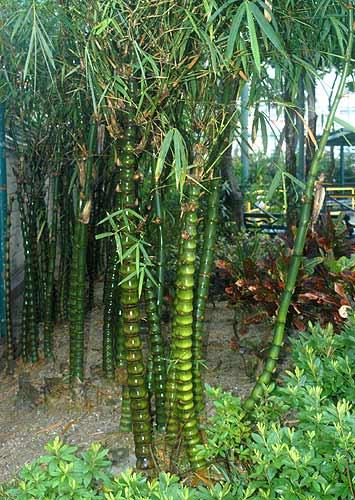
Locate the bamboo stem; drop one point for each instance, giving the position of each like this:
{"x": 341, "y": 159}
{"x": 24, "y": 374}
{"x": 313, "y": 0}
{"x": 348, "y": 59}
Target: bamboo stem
{"x": 10, "y": 341}
{"x": 181, "y": 377}
{"x": 206, "y": 262}
{"x": 108, "y": 359}
{"x": 279, "y": 331}
{"x": 49, "y": 295}
{"x": 78, "y": 272}
{"x": 136, "y": 380}
{"x": 157, "y": 353}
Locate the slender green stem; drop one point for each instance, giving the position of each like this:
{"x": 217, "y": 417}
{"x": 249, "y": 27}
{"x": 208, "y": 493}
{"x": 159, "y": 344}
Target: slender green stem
{"x": 182, "y": 375}
{"x": 136, "y": 380}
{"x": 78, "y": 273}
{"x": 206, "y": 262}
{"x": 10, "y": 341}
{"x": 302, "y": 229}
{"x": 29, "y": 319}
{"x": 161, "y": 248}
{"x": 157, "y": 354}
{"x": 49, "y": 295}
{"x": 108, "y": 358}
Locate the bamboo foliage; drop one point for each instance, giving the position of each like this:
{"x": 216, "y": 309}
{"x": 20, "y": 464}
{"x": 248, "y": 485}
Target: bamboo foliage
{"x": 156, "y": 82}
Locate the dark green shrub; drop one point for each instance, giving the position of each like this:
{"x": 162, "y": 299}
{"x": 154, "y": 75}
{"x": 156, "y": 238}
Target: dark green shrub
{"x": 303, "y": 444}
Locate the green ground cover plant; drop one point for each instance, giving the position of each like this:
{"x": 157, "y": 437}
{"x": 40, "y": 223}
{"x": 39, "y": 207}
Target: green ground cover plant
{"x": 299, "y": 444}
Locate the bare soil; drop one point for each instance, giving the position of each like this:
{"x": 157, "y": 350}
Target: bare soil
{"x": 36, "y": 405}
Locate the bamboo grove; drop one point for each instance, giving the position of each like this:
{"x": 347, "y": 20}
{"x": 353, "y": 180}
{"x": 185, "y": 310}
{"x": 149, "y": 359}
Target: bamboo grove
{"x": 119, "y": 117}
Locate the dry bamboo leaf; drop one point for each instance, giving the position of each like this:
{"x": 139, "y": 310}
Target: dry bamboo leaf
{"x": 243, "y": 76}
{"x": 49, "y": 428}
{"x": 82, "y": 173}
{"x": 267, "y": 14}
{"x": 85, "y": 214}
{"x": 70, "y": 424}
{"x": 193, "y": 62}
{"x": 319, "y": 197}
{"x": 311, "y": 136}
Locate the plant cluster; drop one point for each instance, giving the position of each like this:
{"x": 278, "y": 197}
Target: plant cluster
{"x": 326, "y": 278}
{"x": 300, "y": 444}
{"x": 66, "y": 474}
{"x": 110, "y": 107}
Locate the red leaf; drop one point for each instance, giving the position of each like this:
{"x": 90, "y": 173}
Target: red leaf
{"x": 299, "y": 324}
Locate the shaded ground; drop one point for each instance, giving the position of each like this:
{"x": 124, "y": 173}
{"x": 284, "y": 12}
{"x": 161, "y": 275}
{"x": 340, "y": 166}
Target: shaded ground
{"x": 35, "y": 404}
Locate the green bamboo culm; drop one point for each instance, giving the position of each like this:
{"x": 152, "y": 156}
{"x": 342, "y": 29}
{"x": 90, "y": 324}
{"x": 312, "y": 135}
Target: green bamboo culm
{"x": 49, "y": 295}
{"x": 126, "y": 414}
{"x": 279, "y": 332}
{"x": 110, "y": 310}
{"x": 119, "y": 349}
{"x": 203, "y": 284}
{"x": 65, "y": 239}
{"x": 181, "y": 351}
{"x": 160, "y": 248}
{"x": 172, "y": 423}
{"x": 78, "y": 271}
{"x": 10, "y": 341}
{"x": 30, "y": 334}
{"x": 157, "y": 353}
{"x": 129, "y": 297}
{"x": 34, "y": 257}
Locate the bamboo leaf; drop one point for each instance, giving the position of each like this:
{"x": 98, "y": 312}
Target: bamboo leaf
{"x": 180, "y": 160}
{"x": 141, "y": 280}
{"x": 294, "y": 180}
{"x": 344, "y": 124}
{"x": 163, "y": 152}
{"x": 103, "y": 235}
{"x": 119, "y": 246}
{"x": 253, "y": 37}
{"x": 266, "y": 27}
{"x": 150, "y": 276}
{"x": 275, "y": 183}
{"x": 127, "y": 278}
{"x": 138, "y": 256}
{"x": 234, "y": 31}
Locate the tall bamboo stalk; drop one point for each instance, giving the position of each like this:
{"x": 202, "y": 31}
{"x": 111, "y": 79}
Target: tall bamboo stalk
{"x": 206, "y": 262}
{"x": 160, "y": 247}
{"x": 110, "y": 312}
{"x": 30, "y": 334}
{"x": 49, "y": 292}
{"x": 181, "y": 377}
{"x": 10, "y": 341}
{"x": 66, "y": 243}
{"x": 279, "y": 332}
{"x": 136, "y": 380}
{"x": 157, "y": 353}
{"x": 78, "y": 271}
